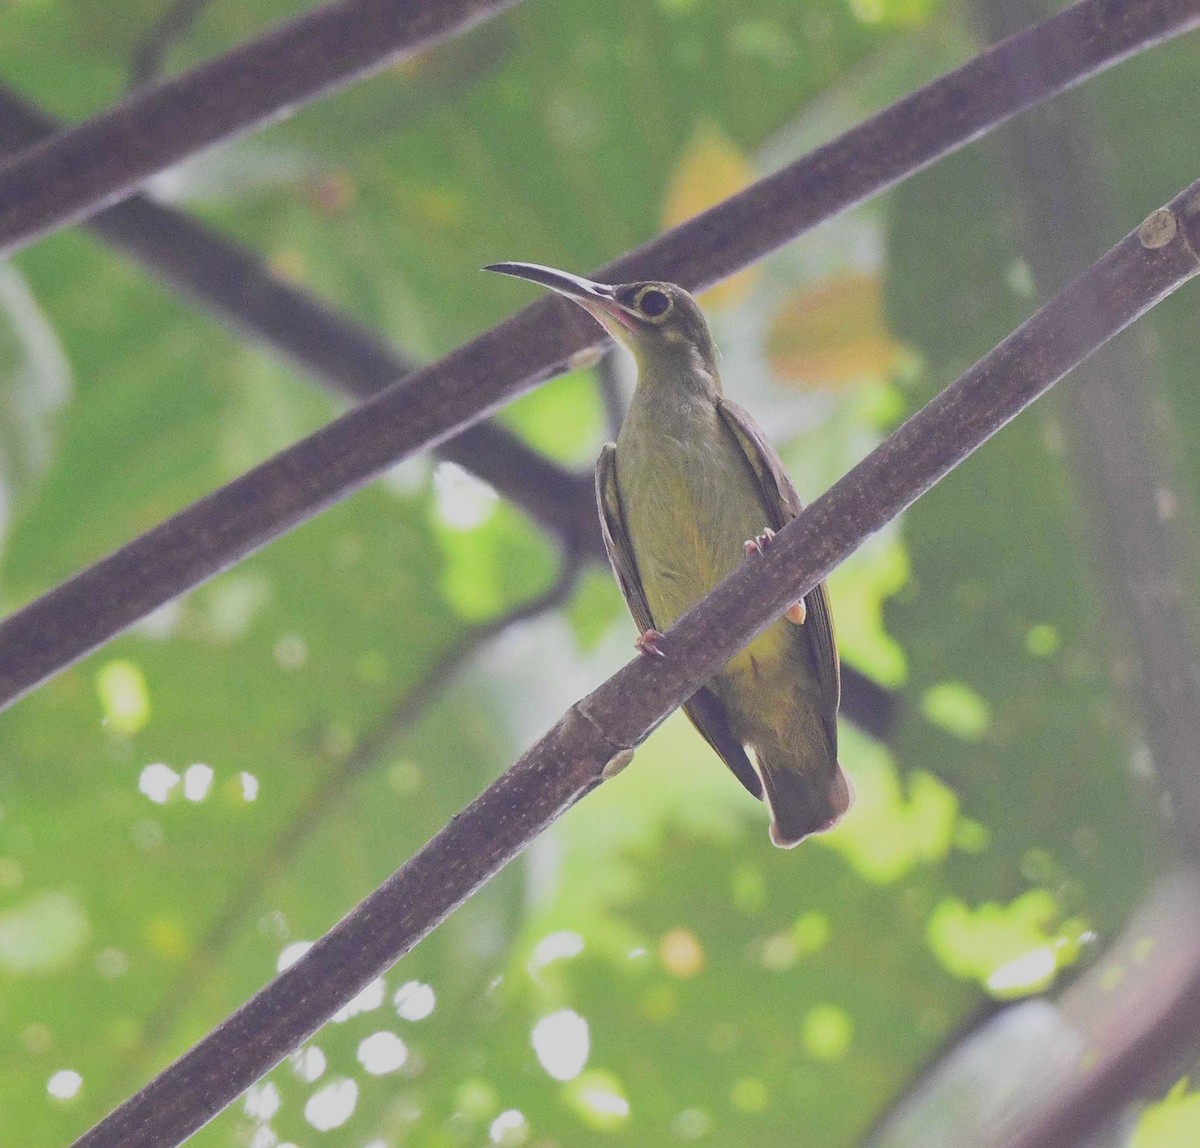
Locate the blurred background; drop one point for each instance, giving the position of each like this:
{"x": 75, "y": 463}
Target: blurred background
{"x": 181, "y": 812}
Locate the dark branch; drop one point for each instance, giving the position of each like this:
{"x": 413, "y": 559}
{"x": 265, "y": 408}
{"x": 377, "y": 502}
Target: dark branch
{"x": 164, "y": 34}
{"x": 599, "y": 730}
{"x": 276, "y": 856}
{"x": 234, "y": 284}
{"x": 1135, "y": 1018}
{"x": 88, "y": 167}
{"x": 1121, "y": 461}
{"x": 438, "y": 401}
{"x": 1039, "y": 1075}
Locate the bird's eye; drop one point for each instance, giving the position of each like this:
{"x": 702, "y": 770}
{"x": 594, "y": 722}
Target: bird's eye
{"x": 654, "y": 303}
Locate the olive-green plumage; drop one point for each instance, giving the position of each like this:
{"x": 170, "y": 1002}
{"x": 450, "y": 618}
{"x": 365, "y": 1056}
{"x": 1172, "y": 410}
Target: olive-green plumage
{"x": 690, "y": 479}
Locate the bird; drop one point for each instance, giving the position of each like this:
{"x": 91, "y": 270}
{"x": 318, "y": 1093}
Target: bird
{"x": 689, "y": 491}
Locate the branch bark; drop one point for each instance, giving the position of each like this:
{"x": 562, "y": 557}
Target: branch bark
{"x": 440, "y": 400}
{"x": 1115, "y": 448}
{"x": 237, "y": 287}
{"x": 1042, "y": 1075}
{"x": 88, "y": 167}
{"x": 596, "y": 732}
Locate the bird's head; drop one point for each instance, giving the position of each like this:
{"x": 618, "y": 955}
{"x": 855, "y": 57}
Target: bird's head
{"x": 659, "y": 323}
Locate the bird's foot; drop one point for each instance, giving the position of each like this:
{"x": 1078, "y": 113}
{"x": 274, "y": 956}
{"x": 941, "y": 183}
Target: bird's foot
{"x": 796, "y": 612}
{"x": 647, "y": 644}
{"x": 760, "y": 542}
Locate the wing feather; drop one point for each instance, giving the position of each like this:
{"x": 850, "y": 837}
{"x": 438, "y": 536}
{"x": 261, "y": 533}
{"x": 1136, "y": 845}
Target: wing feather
{"x": 781, "y": 504}
{"x": 703, "y": 707}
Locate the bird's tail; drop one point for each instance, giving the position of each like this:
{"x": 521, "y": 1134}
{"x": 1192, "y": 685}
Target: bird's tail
{"x": 803, "y": 802}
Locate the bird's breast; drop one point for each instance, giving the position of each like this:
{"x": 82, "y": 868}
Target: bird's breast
{"x": 689, "y": 501}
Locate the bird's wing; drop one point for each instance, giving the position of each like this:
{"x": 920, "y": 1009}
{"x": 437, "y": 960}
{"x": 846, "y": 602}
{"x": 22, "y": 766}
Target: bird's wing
{"x": 782, "y": 504}
{"x": 703, "y": 707}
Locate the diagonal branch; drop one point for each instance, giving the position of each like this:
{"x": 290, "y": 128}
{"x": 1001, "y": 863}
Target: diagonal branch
{"x": 87, "y": 167}
{"x": 277, "y": 856}
{"x": 599, "y": 731}
{"x": 437, "y": 401}
{"x": 1120, "y": 460}
{"x": 236, "y": 286}
{"x": 172, "y": 26}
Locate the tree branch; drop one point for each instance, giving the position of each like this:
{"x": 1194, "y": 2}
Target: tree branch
{"x": 237, "y": 287}
{"x": 1119, "y": 458}
{"x": 599, "y": 730}
{"x": 150, "y": 55}
{"x": 88, "y": 167}
{"x": 439, "y": 400}
{"x": 277, "y": 855}
{"x": 1136, "y": 1021}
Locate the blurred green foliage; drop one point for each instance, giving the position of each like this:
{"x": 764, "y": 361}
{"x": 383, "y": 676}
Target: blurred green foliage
{"x": 652, "y": 971}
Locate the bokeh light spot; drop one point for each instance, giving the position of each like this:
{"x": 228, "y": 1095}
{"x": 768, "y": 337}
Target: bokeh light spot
{"x": 562, "y": 1042}
{"x": 827, "y": 1032}
{"x": 681, "y": 953}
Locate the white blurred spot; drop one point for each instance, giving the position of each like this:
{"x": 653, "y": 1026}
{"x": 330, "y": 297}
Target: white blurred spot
{"x": 249, "y": 786}
{"x": 291, "y": 652}
{"x": 562, "y": 1044}
{"x": 146, "y": 834}
{"x": 46, "y": 931}
{"x": 197, "y": 781}
{"x": 261, "y": 1101}
{"x": 233, "y": 602}
{"x": 414, "y": 1000}
{"x": 367, "y": 1000}
{"x": 156, "y": 782}
{"x": 331, "y": 1106}
{"x": 291, "y": 954}
{"x": 308, "y": 1063}
{"x": 509, "y": 1128}
{"x": 462, "y": 500}
{"x": 264, "y": 1137}
{"x": 112, "y": 963}
{"x": 556, "y": 947}
{"x": 691, "y": 1124}
{"x": 1031, "y": 970}
{"x": 408, "y": 477}
{"x": 160, "y": 623}
{"x": 382, "y": 1052}
{"x": 64, "y": 1084}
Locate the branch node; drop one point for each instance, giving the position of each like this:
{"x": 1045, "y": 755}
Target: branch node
{"x": 1158, "y": 229}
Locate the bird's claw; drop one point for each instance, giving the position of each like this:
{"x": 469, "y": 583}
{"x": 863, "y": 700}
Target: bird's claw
{"x": 647, "y": 644}
{"x": 760, "y": 542}
{"x": 796, "y": 613}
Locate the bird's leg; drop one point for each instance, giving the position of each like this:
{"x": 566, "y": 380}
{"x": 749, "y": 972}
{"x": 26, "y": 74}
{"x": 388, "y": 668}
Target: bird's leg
{"x": 647, "y": 644}
{"x": 796, "y": 612}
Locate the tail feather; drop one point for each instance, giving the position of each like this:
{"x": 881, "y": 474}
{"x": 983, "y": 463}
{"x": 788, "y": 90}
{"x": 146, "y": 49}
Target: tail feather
{"x": 803, "y": 803}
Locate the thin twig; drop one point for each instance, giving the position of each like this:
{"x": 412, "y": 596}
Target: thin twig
{"x": 438, "y": 401}
{"x": 88, "y": 167}
{"x": 601, "y": 729}
{"x": 171, "y": 27}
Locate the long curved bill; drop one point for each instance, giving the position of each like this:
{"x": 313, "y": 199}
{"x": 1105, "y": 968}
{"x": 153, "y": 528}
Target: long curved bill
{"x": 599, "y": 299}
